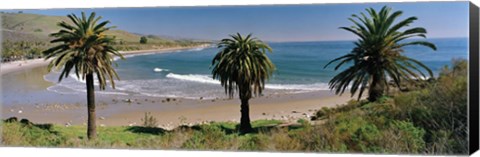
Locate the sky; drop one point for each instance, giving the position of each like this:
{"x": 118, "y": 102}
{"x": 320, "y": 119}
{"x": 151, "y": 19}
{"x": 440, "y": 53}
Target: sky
{"x": 276, "y": 23}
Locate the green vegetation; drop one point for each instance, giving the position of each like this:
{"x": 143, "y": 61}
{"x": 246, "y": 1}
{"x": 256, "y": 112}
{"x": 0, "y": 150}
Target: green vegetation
{"x": 85, "y": 48}
{"x": 431, "y": 120}
{"x": 143, "y": 40}
{"x": 243, "y": 64}
{"x": 25, "y": 36}
{"x": 378, "y": 54}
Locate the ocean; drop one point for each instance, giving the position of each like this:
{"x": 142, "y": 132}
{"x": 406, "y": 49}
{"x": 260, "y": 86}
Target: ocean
{"x": 187, "y": 73}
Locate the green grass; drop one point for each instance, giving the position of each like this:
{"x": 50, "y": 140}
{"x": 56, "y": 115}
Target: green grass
{"x": 206, "y": 136}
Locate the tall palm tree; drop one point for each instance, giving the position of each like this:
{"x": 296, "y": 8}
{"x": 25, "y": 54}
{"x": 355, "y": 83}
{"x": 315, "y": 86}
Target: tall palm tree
{"x": 242, "y": 64}
{"x": 83, "y": 46}
{"x": 378, "y": 54}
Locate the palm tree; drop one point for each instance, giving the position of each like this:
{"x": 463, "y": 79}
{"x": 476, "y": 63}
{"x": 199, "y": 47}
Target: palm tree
{"x": 83, "y": 46}
{"x": 242, "y": 64}
{"x": 378, "y": 54}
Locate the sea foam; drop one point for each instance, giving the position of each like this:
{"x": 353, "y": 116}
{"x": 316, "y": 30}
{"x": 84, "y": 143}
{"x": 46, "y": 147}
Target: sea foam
{"x": 159, "y": 70}
{"x": 207, "y": 79}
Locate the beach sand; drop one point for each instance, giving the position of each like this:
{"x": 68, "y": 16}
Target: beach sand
{"x": 23, "y": 65}
{"x": 42, "y": 106}
{"x": 115, "y": 111}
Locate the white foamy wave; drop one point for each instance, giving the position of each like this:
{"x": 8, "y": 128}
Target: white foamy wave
{"x": 210, "y": 80}
{"x": 61, "y": 89}
{"x": 303, "y": 87}
{"x": 77, "y": 78}
{"x": 194, "y": 78}
{"x": 175, "y": 96}
{"x": 160, "y": 70}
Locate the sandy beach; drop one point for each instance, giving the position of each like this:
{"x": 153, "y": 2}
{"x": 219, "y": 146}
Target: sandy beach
{"x": 42, "y": 106}
{"x": 20, "y": 65}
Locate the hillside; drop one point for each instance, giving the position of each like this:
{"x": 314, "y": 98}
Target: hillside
{"x": 26, "y": 35}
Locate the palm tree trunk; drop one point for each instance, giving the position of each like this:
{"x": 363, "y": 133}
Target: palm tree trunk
{"x": 245, "y": 126}
{"x": 377, "y": 87}
{"x": 92, "y": 129}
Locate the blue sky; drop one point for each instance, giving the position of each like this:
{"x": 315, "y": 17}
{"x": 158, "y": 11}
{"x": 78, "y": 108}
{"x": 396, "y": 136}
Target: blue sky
{"x": 317, "y": 22}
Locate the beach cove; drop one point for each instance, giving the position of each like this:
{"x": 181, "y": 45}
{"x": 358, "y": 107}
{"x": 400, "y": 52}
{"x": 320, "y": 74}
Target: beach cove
{"x": 25, "y": 85}
{"x": 175, "y": 86}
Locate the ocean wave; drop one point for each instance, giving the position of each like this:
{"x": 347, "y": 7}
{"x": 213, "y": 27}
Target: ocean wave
{"x": 159, "y": 70}
{"x": 194, "y": 78}
{"x": 303, "y": 87}
{"x": 68, "y": 90}
{"x": 210, "y": 80}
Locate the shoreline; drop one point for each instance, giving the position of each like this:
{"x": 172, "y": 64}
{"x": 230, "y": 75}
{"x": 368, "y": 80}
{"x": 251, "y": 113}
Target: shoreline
{"x": 21, "y": 65}
{"x": 114, "y": 110}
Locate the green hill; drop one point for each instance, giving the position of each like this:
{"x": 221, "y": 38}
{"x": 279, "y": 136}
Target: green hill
{"x": 26, "y": 35}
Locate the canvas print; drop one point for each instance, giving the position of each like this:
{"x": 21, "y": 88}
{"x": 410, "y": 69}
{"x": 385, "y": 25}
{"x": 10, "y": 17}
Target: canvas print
{"x": 388, "y": 78}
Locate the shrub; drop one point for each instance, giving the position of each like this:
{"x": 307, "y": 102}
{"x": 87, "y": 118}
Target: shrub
{"x": 143, "y": 40}
{"x": 403, "y": 137}
{"x": 210, "y": 137}
{"x": 254, "y": 142}
{"x": 149, "y": 120}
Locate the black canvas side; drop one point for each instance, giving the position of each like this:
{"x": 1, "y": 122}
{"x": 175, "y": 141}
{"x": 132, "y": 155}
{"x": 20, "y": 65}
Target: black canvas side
{"x": 473, "y": 79}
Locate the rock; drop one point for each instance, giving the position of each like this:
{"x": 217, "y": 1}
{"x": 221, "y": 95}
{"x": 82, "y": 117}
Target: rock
{"x": 11, "y": 110}
{"x": 20, "y": 111}
{"x": 168, "y": 99}
{"x": 67, "y": 124}
{"x": 294, "y": 111}
{"x": 201, "y": 98}
{"x": 102, "y": 125}
{"x": 127, "y": 100}
{"x": 102, "y": 118}
{"x": 264, "y": 113}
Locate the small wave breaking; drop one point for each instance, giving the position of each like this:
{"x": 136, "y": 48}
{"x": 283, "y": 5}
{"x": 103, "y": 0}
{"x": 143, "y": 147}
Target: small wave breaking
{"x": 159, "y": 70}
{"x": 210, "y": 80}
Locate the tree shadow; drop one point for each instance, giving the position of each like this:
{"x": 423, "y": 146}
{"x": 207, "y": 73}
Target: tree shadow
{"x": 186, "y": 127}
{"x": 27, "y": 123}
{"x": 259, "y": 129}
{"x": 146, "y": 130}
{"x": 276, "y": 127}
{"x": 229, "y": 131}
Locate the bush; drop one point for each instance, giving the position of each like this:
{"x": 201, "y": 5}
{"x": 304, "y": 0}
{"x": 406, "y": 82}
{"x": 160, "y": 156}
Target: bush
{"x": 210, "y": 137}
{"x": 254, "y": 142}
{"x": 149, "y": 120}
{"x": 403, "y": 137}
{"x": 440, "y": 109}
{"x": 143, "y": 40}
